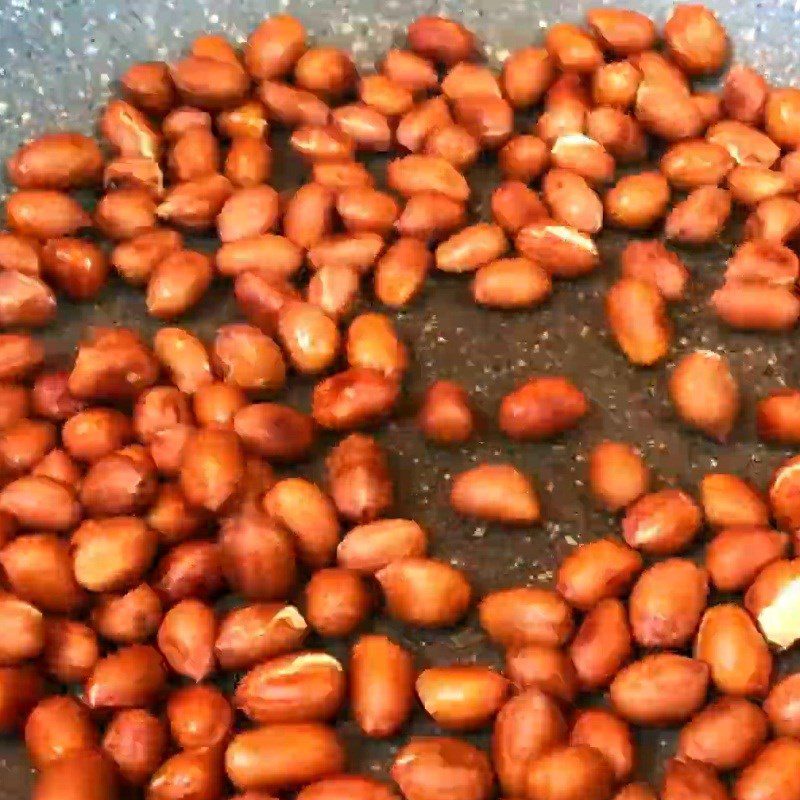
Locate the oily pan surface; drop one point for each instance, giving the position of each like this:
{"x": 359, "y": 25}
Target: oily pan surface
{"x": 58, "y": 63}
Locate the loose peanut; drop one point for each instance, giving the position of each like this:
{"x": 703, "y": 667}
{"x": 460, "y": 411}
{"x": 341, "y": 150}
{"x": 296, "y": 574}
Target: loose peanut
{"x": 416, "y": 174}
{"x": 58, "y": 728}
{"x": 514, "y": 206}
{"x": 19, "y": 253}
{"x": 495, "y": 492}
{"x": 747, "y": 146}
{"x": 337, "y": 602}
{"x": 769, "y": 601}
{"x": 756, "y": 305}
{"x": 730, "y": 502}
{"x": 637, "y": 316}
{"x": 302, "y": 687}
{"x": 196, "y": 772}
{"x": 40, "y": 503}
{"x": 133, "y": 676}
{"x": 660, "y": 689}
{"x": 667, "y": 602}
{"x": 570, "y": 772}
{"x": 136, "y": 741}
{"x": 77, "y": 267}
{"x": 707, "y": 739}
{"x": 623, "y": 32}
{"x": 70, "y": 650}
{"x": 273, "y": 48}
{"x": 608, "y": 734}
{"x": 771, "y": 773}
{"x": 615, "y": 84}
{"x": 602, "y": 644}
{"x": 407, "y": 69}
{"x": 45, "y": 214}
{"x": 762, "y": 260}
{"x": 254, "y": 633}
{"x": 563, "y": 251}
{"x": 696, "y": 40}
{"x": 353, "y": 398}
{"x": 542, "y": 408}
{"x": 56, "y": 161}
{"x": 128, "y": 618}
{"x": 85, "y": 774}
{"x": 548, "y": 669}
{"x": 596, "y": 571}
{"x": 431, "y": 766}
{"x": 738, "y": 657}
{"x": 370, "y": 547}
{"x": 277, "y": 757}
{"x": 461, "y": 697}
{"x": 744, "y": 94}
{"x": 781, "y": 706}
{"x": 526, "y": 615}
{"x": 424, "y": 592}
{"x": 526, "y": 726}
{"x": 619, "y": 133}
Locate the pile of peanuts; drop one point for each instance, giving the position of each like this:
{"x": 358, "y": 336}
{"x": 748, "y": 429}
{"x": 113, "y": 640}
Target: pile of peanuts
{"x": 137, "y": 486}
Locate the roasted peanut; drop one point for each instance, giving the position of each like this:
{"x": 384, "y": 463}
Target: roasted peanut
{"x": 637, "y": 316}
{"x": 562, "y": 251}
{"x": 273, "y": 48}
{"x": 254, "y": 633}
{"x": 729, "y": 502}
{"x": 684, "y": 777}
{"x": 700, "y": 218}
{"x": 496, "y": 493}
{"x": 514, "y": 206}
{"x": 186, "y": 639}
{"x": 309, "y": 336}
{"x": 416, "y": 174}
{"x": 527, "y": 75}
{"x": 301, "y": 687}
{"x": 736, "y": 555}
{"x": 257, "y": 557}
{"x": 79, "y": 268}
{"x": 542, "y": 408}
{"x": 511, "y": 283}
{"x": 337, "y": 602}
{"x": 707, "y": 737}
{"x": 667, "y": 602}
{"x": 112, "y": 364}
{"x": 445, "y": 416}
{"x": 570, "y": 772}
{"x": 357, "y": 787}
{"x": 370, "y": 547}
{"x": 770, "y": 773}
{"x": 20, "y": 354}
{"x": 430, "y": 766}
{"x": 695, "y": 39}
{"x": 526, "y": 615}
{"x": 45, "y": 214}
{"x": 334, "y": 289}
{"x": 136, "y": 741}
{"x": 667, "y": 111}
{"x": 353, "y": 398}
{"x": 615, "y": 84}
{"x": 767, "y": 600}
{"x": 461, "y": 697}
{"x": 747, "y": 145}
{"x": 781, "y": 706}
{"x": 619, "y": 133}
{"x": 149, "y": 87}
{"x": 381, "y": 685}
{"x": 58, "y": 728}
{"x": 196, "y": 772}
{"x": 739, "y": 659}
{"x": 128, "y": 618}
{"x": 131, "y": 677}
{"x": 283, "y": 756}
{"x": 424, "y": 592}
{"x": 572, "y": 201}
{"x": 602, "y": 644}
{"x": 56, "y": 161}
{"x": 623, "y": 32}
{"x": 595, "y": 571}
{"x": 25, "y": 300}
{"x": 248, "y": 163}
{"x": 40, "y": 503}
{"x": 756, "y": 305}
{"x": 84, "y": 774}
{"x": 25, "y": 444}
{"x": 762, "y": 260}
{"x": 660, "y": 689}
{"x": 409, "y": 70}
{"x": 549, "y": 669}
{"x": 608, "y": 734}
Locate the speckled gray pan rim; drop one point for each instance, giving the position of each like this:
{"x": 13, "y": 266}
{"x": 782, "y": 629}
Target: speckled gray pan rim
{"x": 58, "y": 64}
